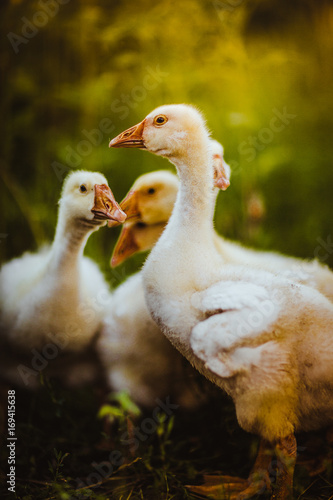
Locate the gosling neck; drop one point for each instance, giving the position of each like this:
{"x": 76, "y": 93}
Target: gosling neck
{"x": 69, "y": 242}
{"x": 195, "y": 202}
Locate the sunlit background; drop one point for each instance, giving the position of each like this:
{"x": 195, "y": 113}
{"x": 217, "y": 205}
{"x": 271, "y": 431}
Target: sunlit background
{"x": 75, "y": 74}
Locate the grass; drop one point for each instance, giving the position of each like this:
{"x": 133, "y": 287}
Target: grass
{"x": 61, "y": 454}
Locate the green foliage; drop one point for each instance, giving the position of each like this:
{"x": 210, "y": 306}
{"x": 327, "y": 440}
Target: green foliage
{"x": 121, "y": 408}
{"x": 55, "y": 467}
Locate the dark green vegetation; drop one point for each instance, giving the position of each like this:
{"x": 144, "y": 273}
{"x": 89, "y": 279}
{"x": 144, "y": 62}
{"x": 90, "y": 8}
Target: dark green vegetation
{"x": 60, "y": 451}
{"x": 72, "y": 78}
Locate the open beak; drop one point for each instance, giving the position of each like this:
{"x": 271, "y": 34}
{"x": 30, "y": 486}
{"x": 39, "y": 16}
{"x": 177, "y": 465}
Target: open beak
{"x": 105, "y": 206}
{"x": 221, "y": 173}
{"x": 130, "y": 138}
{"x": 125, "y": 246}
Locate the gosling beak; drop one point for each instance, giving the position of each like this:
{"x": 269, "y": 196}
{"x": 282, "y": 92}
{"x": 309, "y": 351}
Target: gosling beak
{"x": 130, "y": 138}
{"x": 221, "y": 173}
{"x": 125, "y": 247}
{"x": 130, "y": 205}
{"x": 105, "y": 206}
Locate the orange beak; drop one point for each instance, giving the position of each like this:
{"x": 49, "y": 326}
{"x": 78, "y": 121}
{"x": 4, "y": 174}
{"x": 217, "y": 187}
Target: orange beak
{"x": 125, "y": 247}
{"x": 221, "y": 173}
{"x": 130, "y": 138}
{"x": 105, "y": 206}
{"x": 130, "y": 205}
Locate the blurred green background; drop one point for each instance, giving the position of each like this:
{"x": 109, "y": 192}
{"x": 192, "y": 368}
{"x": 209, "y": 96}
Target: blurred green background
{"x": 75, "y": 74}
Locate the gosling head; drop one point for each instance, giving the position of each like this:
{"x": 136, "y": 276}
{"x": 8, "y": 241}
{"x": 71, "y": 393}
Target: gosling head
{"x": 87, "y": 196}
{"x": 170, "y": 131}
{"x": 176, "y": 131}
{"x": 148, "y": 206}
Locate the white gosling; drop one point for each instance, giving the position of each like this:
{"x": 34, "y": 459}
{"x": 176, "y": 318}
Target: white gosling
{"x": 57, "y": 296}
{"x": 264, "y": 339}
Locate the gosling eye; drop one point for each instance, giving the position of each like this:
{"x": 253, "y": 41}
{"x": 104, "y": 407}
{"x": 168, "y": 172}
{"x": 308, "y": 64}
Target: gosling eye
{"x": 151, "y": 190}
{"x": 160, "y": 120}
{"x": 83, "y": 188}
